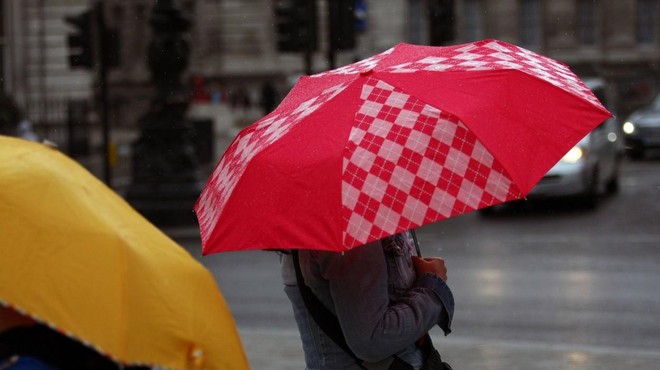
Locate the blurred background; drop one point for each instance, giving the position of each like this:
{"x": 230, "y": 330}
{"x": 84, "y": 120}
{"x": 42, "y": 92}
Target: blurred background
{"x": 148, "y": 94}
{"x": 242, "y": 57}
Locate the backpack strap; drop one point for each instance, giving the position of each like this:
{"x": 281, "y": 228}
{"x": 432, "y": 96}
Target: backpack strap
{"x": 323, "y": 317}
{"x": 328, "y": 321}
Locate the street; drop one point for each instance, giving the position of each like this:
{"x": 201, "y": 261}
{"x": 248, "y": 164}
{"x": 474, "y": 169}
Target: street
{"x": 539, "y": 286}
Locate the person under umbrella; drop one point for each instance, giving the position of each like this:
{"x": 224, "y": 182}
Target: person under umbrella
{"x": 27, "y": 344}
{"x": 382, "y": 310}
{"x": 99, "y": 278}
{"x": 353, "y": 158}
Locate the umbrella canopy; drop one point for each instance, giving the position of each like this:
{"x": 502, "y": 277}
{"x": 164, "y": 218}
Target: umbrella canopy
{"x": 407, "y": 137}
{"x": 76, "y": 256}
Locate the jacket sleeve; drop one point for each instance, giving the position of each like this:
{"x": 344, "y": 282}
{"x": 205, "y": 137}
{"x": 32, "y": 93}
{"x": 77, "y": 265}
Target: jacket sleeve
{"x": 435, "y": 284}
{"x": 374, "y": 327}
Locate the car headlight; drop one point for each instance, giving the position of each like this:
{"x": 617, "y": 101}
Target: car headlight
{"x": 628, "y": 128}
{"x": 612, "y": 137}
{"x": 574, "y": 155}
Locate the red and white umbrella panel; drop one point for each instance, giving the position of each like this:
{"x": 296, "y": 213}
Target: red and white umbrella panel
{"x": 407, "y": 137}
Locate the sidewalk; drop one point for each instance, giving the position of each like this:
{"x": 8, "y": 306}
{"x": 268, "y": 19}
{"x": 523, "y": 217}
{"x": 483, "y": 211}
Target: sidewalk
{"x": 281, "y": 350}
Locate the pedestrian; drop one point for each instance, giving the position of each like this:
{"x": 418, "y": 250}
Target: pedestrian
{"x": 28, "y": 344}
{"x": 25, "y": 130}
{"x": 268, "y": 98}
{"x": 241, "y": 104}
{"x": 10, "y": 115}
{"x": 383, "y": 296}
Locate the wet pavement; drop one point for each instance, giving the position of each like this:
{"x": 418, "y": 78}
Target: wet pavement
{"x": 280, "y": 350}
{"x": 582, "y": 282}
{"x": 271, "y": 340}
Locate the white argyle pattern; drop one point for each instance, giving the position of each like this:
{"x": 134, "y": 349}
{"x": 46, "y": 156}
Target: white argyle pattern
{"x": 496, "y": 55}
{"x": 250, "y": 142}
{"x": 408, "y": 164}
{"x": 480, "y": 56}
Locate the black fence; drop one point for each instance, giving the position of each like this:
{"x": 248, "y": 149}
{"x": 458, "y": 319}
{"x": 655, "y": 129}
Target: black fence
{"x": 68, "y": 123}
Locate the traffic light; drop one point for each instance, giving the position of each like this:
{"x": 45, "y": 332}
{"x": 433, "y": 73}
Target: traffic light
{"x": 343, "y": 24}
{"x": 81, "y": 40}
{"x": 296, "y": 25}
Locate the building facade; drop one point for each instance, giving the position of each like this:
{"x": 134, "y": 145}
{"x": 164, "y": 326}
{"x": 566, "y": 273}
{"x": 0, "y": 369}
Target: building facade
{"x": 234, "y": 45}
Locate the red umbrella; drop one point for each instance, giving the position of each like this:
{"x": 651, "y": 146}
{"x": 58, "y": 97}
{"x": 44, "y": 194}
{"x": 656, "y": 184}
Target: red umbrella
{"x": 404, "y": 138}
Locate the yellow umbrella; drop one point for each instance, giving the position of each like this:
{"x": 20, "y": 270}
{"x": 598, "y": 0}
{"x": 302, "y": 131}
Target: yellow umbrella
{"x": 75, "y": 255}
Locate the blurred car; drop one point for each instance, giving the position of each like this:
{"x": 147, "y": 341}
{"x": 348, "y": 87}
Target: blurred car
{"x": 642, "y": 130}
{"x": 591, "y": 167}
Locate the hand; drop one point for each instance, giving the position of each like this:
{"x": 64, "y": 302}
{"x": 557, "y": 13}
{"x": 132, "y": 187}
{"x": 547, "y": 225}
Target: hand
{"x": 433, "y": 265}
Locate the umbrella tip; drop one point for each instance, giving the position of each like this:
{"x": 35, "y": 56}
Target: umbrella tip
{"x": 367, "y": 72}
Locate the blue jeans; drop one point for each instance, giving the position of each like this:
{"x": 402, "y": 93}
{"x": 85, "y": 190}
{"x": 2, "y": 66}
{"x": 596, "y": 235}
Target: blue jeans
{"x": 24, "y": 363}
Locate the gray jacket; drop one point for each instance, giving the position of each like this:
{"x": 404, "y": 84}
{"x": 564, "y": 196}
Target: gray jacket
{"x": 382, "y": 305}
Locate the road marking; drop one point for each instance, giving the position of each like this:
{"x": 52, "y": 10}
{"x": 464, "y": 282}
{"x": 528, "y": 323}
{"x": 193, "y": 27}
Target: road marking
{"x": 545, "y": 346}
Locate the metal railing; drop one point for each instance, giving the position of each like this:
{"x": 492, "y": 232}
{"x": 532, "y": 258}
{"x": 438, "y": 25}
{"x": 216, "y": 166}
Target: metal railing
{"x": 68, "y": 123}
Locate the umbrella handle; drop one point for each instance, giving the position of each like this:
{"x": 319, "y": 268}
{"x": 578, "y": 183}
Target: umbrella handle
{"x": 412, "y": 232}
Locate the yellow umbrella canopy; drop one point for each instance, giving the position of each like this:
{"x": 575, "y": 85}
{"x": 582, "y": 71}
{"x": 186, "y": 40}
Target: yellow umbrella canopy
{"x": 75, "y": 255}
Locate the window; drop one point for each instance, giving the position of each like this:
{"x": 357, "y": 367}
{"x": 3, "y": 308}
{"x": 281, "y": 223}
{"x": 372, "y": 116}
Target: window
{"x": 647, "y": 21}
{"x": 530, "y": 23}
{"x": 473, "y": 20}
{"x": 586, "y": 22}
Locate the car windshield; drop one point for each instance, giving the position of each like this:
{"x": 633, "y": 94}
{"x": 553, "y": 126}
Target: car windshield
{"x": 655, "y": 105}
